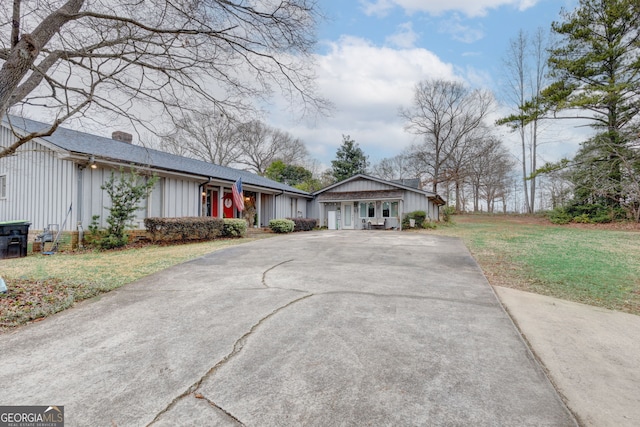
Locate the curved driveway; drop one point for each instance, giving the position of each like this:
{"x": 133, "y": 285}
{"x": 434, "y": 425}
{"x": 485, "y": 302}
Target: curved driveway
{"x": 314, "y": 329}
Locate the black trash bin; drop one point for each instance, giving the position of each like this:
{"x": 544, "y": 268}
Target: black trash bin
{"x": 13, "y": 239}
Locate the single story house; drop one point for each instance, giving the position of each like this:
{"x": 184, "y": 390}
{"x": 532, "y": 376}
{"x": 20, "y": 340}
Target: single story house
{"x": 57, "y": 179}
{"x": 363, "y": 202}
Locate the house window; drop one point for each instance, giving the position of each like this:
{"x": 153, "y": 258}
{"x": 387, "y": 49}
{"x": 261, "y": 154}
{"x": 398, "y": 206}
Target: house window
{"x": 389, "y": 209}
{"x": 367, "y": 210}
{"x": 3, "y": 186}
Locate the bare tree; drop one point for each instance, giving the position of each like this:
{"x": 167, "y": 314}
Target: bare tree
{"x": 525, "y": 65}
{"x": 397, "y": 167}
{"x": 260, "y": 145}
{"x": 211, "y": 136}
{"x": 444, "y": 114}
{"x": 489, "y": 172}
{"x": 459, "y": 165}
{"x": 76, "y": 57}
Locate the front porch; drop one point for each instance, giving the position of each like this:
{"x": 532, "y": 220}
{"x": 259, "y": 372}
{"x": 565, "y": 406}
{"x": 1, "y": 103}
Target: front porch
{"x": 362, "y": 210}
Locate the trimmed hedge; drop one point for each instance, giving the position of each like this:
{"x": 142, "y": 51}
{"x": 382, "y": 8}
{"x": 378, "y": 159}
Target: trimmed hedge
{"x": 282, "y": 225}
{"x": 185, "y": 228}
{"x": 304, "y": 224}
{"x": 234, "y": 227}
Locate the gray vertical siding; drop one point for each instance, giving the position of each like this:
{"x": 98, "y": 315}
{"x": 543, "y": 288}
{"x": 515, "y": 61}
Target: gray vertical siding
{"x": 288, "y": 206}
{"x": 363, "y": 185}
{"x": 410, "y": 201}
{"x": 40, "y": 186}
{"x": 170, "y": 197}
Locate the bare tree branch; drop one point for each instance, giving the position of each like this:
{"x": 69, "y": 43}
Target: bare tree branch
{"x": 171, "y": 56}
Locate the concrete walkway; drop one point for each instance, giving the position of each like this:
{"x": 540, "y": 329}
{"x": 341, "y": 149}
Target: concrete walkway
{"x": 315, "y": 329}
{"x": 592, "y": 354}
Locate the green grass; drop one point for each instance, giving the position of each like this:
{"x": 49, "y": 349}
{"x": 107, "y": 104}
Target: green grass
{"x": 41, "y": 285}
{"x": 591, "y": 266}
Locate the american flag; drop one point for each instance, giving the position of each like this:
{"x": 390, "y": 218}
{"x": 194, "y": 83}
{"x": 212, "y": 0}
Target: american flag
{"x": 238, "y": 197}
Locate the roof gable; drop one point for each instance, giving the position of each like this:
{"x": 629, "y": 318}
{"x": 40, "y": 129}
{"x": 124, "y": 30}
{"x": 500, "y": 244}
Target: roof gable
{"x": 390, "y": 184}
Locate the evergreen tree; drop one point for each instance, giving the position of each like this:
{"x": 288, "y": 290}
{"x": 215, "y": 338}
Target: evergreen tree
{"x": 596, "y": 73}
{"x": 350, "y": 160}
{"x": 288, "y": 174}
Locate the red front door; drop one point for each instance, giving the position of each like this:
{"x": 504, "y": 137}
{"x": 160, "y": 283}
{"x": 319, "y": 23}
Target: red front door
{"x": 228, "y": 205}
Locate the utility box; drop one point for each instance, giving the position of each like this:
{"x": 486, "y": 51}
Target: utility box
{"x": 13, "y": 239}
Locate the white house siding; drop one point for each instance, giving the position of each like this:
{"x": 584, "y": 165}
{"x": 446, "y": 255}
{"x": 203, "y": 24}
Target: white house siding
{"x": 40, "y": 186}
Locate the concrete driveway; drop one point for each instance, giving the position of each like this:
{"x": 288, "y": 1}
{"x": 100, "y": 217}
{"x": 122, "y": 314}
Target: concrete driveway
{"x": 315, "y": 329}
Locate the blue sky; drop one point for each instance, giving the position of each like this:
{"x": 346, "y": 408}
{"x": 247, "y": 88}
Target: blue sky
{"x": 373, "y": 52}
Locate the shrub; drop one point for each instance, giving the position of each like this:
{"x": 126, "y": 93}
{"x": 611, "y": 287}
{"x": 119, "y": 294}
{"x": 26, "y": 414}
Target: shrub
{"x": 304, "y": 224}
{"x": 419, "y": 216}
{"x": 559, "y": 216}
{"x": 95, "y": 234}
{"x": 429, "y": 225}
{"x": 582, "y": 219}
{"x": 281, "y": 225}
{"x": 185, "y": 228}
{"x": 125, "y": 194}
{"x": 447, "y": 213}
{"x": 234, "y": 227}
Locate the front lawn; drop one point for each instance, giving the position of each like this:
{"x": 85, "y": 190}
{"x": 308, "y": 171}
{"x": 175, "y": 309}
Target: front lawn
{"x": 591, "y": 265}
{"x": 40, "y": 285}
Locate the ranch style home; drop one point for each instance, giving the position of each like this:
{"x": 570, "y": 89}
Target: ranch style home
{"x": 57, "y": 180}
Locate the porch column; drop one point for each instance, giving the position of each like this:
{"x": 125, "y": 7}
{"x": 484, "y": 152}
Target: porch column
{"x": 259, "y": 209}
{"x": 401, "y": 211}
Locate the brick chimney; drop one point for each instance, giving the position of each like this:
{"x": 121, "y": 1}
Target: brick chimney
{"x": 122, "y": 136}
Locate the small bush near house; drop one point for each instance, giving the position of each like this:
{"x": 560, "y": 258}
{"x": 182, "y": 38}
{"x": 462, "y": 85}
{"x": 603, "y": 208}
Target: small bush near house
{"x": 419, "y": 216}
{"x": 282, "y": 225}
{"x": 185, "y": 228}
{"x": 304, "y": 224}
{"x": 234, "y": 227}
{"x": 125, "y": 193}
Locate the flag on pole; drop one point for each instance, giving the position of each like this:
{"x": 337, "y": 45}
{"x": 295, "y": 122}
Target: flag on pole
{"x": 238, "y": 197}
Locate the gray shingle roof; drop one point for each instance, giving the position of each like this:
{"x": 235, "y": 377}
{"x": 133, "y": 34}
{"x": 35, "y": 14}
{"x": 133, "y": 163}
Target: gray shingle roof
{"x": 107, "y": 148}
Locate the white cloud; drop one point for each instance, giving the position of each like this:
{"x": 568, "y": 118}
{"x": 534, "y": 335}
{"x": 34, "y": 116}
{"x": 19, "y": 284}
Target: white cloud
{"x": 404, "y": 38}
{"x": 367, "y": 84}
{"x": 436, "y": 7}
{"x": 459, "y": 31}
